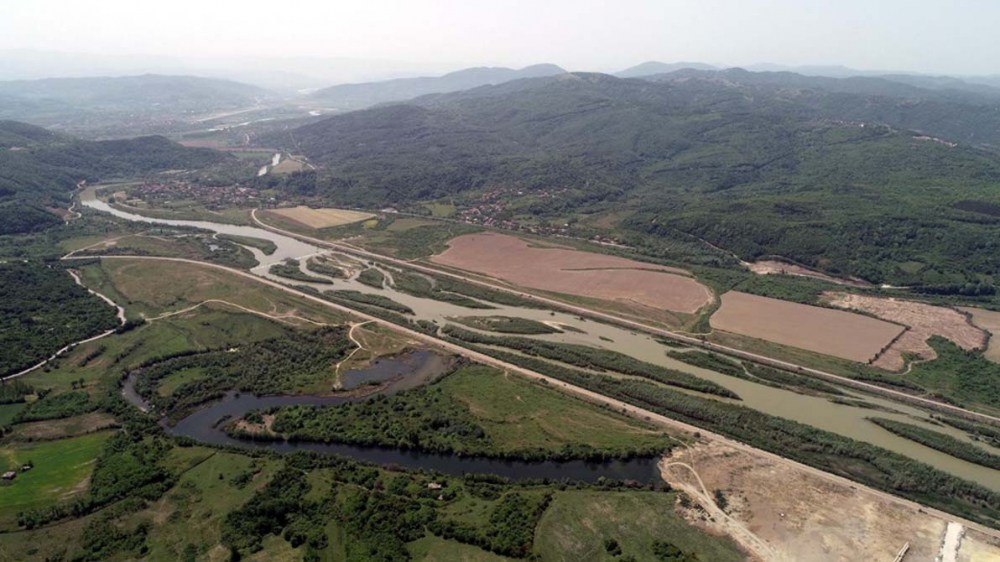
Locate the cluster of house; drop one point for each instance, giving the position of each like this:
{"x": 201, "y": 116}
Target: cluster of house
{"x": 10, "y": 474}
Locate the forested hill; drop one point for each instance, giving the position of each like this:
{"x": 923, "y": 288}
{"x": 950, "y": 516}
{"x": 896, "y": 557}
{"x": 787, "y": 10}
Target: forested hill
{"x": 753, "y": 172}
{"x": 40, "y": 169}
{"x": 359, "y": 96}
{"x": 949, "y": 108}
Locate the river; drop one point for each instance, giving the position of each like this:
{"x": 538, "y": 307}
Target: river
{"x": 816, "y": 411}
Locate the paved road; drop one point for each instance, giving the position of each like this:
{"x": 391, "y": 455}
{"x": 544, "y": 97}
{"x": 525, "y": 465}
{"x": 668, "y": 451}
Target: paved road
{"x": 785, "y": 365}
{"x": 583, "y": 393}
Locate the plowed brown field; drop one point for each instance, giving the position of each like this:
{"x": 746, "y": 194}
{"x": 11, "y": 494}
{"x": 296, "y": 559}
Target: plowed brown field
{"x": 574, "y": 272}
{"x": 831, "y": 332}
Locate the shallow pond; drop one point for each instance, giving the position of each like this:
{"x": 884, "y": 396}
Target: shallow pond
{"x": 819, "y": 412}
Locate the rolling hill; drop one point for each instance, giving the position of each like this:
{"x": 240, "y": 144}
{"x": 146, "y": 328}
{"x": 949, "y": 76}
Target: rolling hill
{"x": 752, "y": 169}
{"x": 358, "y": 96}
{"x": 94, "y": 105}
{"x": 40, "y": 169}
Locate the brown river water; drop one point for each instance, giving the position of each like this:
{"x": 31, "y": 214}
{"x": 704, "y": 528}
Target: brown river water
{"x": 816, "y": 411}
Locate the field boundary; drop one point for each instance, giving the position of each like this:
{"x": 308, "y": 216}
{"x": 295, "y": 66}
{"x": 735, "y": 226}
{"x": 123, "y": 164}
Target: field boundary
{"x": 641, "y": 326}
{"x": 579, "y": 392}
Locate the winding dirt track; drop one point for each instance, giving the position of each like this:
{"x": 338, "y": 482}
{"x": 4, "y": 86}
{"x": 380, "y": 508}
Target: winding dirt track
{"x": 582, "y": 393}
{"x": 617, "y": 320}
{"x": 734, "y": 528}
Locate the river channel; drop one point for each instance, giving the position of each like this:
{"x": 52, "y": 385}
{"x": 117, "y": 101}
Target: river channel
{"x": 816, "y": 411}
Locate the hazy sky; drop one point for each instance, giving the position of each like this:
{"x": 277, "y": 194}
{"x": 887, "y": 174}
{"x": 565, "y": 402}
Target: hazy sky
{"x": 955, "y": 36}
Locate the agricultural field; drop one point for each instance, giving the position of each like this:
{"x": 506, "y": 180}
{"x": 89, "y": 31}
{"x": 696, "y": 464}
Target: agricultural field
{"x": 61, "y": 469}
{"x": 572, "y": 272}
{"x": 924, "y": 321}
{"x": 320, "y": 218}
{"x": 830, "y": 332}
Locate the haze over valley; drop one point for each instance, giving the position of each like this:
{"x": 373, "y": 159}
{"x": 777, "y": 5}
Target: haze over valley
{"x": 442, "y": 281}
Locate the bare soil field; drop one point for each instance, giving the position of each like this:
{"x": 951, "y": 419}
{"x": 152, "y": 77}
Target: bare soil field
{"x": 800, "y": 516}
{"x": 320, "y": 218}
{"x": 924, "y": 320}
{"x": 574, "y": 272}
{"x": 831, "y": 332}
{"x": 988, "y": 320}
{"x": 778, "y": 267}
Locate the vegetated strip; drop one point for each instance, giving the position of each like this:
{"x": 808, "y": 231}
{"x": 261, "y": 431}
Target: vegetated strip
{"x": 858, "y": 461}
{"x": 592, "y": 358}
{"x": 419, "y": 286}
{"x": 290, "y": 270}
{"x": 752, "y": 372}
{"x": 261, "y": 244}
{"x": 913, "y": 480}
{"x": 372, "y": 277}
{"x": 506, "y": 325}
{"x": 545, "y": 302}
{"x": 984, "y": 432}
{"x": 940, "y": 442}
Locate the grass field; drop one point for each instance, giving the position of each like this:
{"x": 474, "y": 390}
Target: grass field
{"x": 192, "y": 512}
{"x": 575, "y": 526}
{"x": 8, "y": 411}
{"x": 436, "y": 549}
{"x": 151, "y": 287}
{"x": 520, "y": 414}
{"x": 61, "y": 471}
{"x": 173, "y": 381}
{"x": 65, "y": 427}
{"x": 203, "y": 328}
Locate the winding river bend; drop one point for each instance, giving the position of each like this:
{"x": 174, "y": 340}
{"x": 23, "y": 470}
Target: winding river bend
{"x": 820, "y": 412}
{"x": 412, "y": 369}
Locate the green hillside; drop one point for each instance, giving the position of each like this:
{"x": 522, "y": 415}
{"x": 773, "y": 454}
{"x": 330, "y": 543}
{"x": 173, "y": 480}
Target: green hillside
{"x": 755, "y": 173}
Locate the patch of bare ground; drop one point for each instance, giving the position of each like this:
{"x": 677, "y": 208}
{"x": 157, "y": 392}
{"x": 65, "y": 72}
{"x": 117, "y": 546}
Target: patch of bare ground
{"x": 988, "y": 320}
{"x": 778, "y": 267}
{"x": 830, "y": 332}
{"x": 574, "y": 272}
{"x": 797, "y": 516}
{"x": 977, "y": 547}
{"x": 262, "y": 428}
{"x": 923, "y": 320}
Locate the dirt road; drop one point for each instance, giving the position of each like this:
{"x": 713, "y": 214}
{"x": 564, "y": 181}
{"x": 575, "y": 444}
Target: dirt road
{"x": 582, "y": 393}
{"x": 785, "y": 365}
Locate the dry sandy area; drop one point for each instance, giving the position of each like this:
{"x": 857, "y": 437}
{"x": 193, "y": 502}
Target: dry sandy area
{"x": 831, "y": 332}
{"x": 988, "y": 320}
{"x": 574, "y": 272}
{"x": 776, "y": 267}
{"x": 978, "y": 547}
{"x": 321, "y": 218}
{"x": 804, "y": 517}
{"x": 924, "y": 320}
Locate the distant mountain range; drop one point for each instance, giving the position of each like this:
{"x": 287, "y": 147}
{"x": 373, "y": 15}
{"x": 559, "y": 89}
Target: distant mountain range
{"x": 653, "y": 67}
{"x": 359, "y": 96}
{"x": 102, "y": 106}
